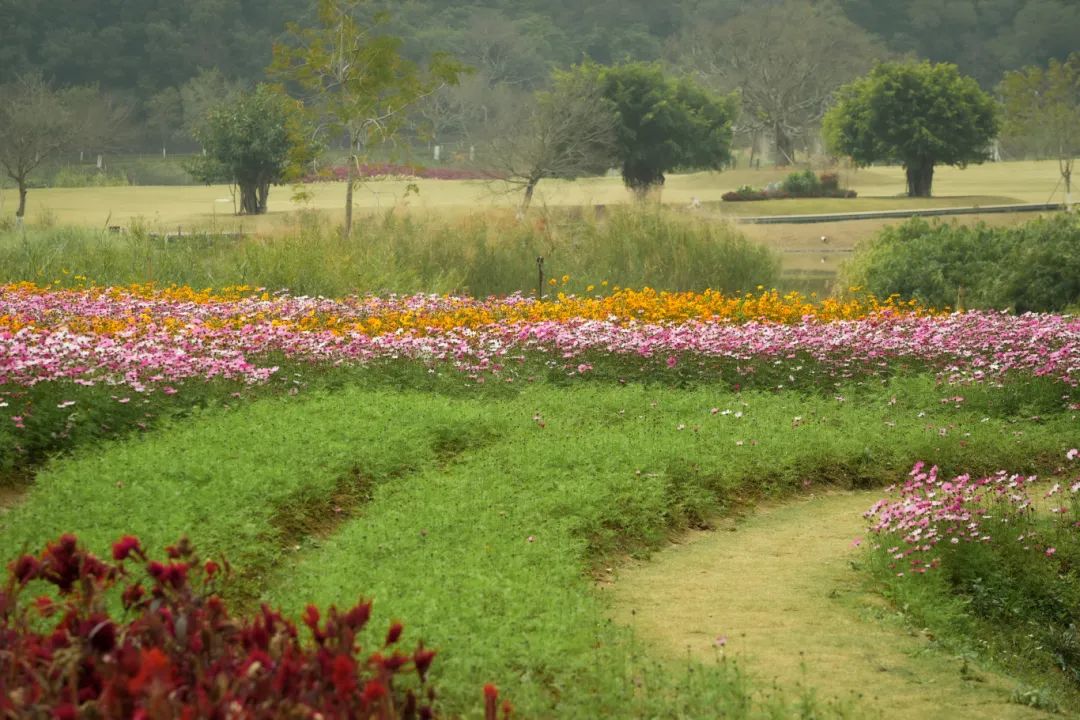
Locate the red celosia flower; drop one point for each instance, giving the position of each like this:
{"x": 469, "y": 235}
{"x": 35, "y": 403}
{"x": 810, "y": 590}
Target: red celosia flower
{"x": 373, "y": 692}
{"x": 491, "y": 697}
{"x": 45, "y": 605}
{"x": 132, "y": 596}
{"x": 153, "y": 667}
{"x": 394, "y": 663}
{"x": 343, "y": 675}
{"x": 394, "y": 633}
{"x": 422, "y": 660}
{"x": 358, "y": 616}
{"x": 211, "y": 568}
{"x": 25, "y": 569}
{"x": 126, "y": 545}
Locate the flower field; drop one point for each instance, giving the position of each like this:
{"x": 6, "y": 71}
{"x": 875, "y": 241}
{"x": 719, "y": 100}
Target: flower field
{"x": 151, "y": 340}
{"x": 456, "y": 458}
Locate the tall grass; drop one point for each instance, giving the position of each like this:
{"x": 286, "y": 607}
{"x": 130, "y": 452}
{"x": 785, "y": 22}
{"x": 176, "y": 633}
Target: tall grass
{"x": 480, "y": 254}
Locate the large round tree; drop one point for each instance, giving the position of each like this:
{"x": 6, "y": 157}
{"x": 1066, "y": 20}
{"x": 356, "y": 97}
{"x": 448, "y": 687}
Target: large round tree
{"x": 662, "y": 123}
{"x": 916, "y": 114}
{"x": 252, "y": 142}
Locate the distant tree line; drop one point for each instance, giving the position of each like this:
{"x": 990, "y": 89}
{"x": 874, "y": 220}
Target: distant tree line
{"x": 164, "y": 60}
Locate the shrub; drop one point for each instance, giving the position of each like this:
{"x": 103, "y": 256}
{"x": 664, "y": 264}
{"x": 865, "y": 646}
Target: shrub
{"x": 1033, "y": 267}
{"x": 802, "y": 184}
{"x": 745, "y": 194}
{"x": 176, "y": 651}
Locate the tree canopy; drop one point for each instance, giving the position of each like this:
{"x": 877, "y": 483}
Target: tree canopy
{"x": 355, "y": 78}
{"x": 785, "y": 60}
{"x": 1043, "y": 105}
{"x": 35, "y": 124}
{"x": 663, "y": 123}
{"x": 917, "y": 114}
{"x": 254, "y": 142}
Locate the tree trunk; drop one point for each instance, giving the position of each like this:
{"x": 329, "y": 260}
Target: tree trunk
{"x": 350, "y": 181}
{"x": 21, "y": 212}
{"x": 527, "y": 200}
{"x": 785, "y": 147}
{"x": 920, "y": 180}
{"x": 249, "y": 198}
{"x": 264, "y": 194}
{"x": 1066, "y": 165}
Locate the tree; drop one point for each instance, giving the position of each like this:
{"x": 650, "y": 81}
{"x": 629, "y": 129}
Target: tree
{"x": 253, "y": 142}
{"x": 101, "y": 121}
{"x": 357, "y": 79}
{"x": 786, "y": 60}
{"x": 35, "y": 125}
{"x": 1044, "y": 105}
{"x": 919, "y": 115}
{"x": 565, "y": 132}
{"x": 663, "y": 124}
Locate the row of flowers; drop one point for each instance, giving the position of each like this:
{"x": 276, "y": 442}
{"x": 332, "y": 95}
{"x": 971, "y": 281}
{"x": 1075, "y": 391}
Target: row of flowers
{"x": 154, "y": 340}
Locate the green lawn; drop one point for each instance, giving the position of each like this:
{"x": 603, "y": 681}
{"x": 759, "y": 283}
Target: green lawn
{"x": 165, "y": 208}
{"x": 480, "y": 516}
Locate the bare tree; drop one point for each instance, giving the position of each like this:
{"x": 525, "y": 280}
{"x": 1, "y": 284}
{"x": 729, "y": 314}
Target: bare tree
{"x": 786, "y": 60}
{"x": 35, "y": 125}
{"x": 1044, "y": 106}
{"x": 565, "y": 132}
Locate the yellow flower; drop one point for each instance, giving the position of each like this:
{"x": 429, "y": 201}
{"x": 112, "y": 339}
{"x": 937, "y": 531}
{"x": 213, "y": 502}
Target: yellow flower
{"x": 553, "y": 282}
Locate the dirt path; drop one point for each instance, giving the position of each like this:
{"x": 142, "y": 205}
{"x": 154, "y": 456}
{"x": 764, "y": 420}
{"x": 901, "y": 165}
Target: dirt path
{"x": 781, "y": 591}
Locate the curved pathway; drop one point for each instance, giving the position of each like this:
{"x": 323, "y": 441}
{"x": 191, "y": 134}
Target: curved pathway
{"x": 779, "y": 589}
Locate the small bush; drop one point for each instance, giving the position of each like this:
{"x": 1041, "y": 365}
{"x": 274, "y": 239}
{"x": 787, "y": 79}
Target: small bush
{"x": 1032, "y": 267}
{"x": 176, "y": 652}
{"x": 804, "y": 184}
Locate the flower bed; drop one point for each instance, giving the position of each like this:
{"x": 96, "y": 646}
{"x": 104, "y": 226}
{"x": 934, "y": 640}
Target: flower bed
{"x": 176, "y": 652}
{"x": 392, "y": 171}
{"x": 797, "y": 185}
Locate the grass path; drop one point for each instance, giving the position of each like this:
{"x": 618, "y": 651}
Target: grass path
{"x": 780, "y": 587}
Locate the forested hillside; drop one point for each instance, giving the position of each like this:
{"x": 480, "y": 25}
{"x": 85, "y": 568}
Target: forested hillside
{"x": 165, "y": 60}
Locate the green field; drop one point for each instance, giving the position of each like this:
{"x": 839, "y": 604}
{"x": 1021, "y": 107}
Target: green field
{"x": 196, "y": 206}
{"x": 484, "y": 518}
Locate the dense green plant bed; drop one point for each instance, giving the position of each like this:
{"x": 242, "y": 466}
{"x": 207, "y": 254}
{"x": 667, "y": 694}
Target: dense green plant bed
{"x": 479, "y": 513}
{"x": 1032, "y": 267}
{"x": 803, "y": 184}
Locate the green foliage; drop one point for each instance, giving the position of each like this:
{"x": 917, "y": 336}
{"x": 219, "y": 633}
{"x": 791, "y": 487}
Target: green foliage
{"x": 1032, "y": 267}
{"x": 802, "y": 184}
{"x": 982, "y": 38}
{"x": 480, "y": 254}
{"x": 428, "y": 497}
{"x": 356, "y": 79}
{"x": 36, "y": 126}
{"x": 663, "y": 124}
{"x": 917, "y": 115}
{"x": 1043, "y": 106}
{"x": 254, "y": 142}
